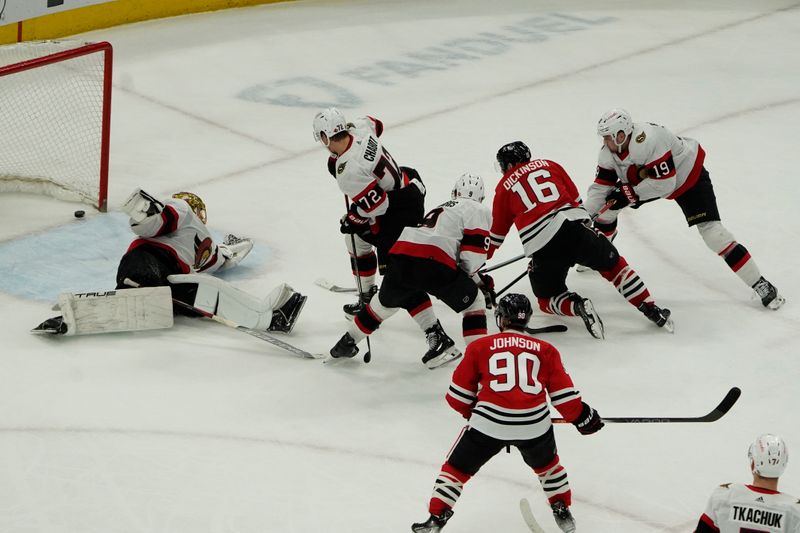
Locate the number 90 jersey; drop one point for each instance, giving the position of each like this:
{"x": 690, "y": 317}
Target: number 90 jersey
{"x": 501, "y": 386}
{"x": 537, "y": 197}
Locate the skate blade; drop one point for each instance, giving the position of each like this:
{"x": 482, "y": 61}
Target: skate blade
{"x": 447, "y": 357}
{"x": 777, "y": 303}
{"x": 669, "y": 325}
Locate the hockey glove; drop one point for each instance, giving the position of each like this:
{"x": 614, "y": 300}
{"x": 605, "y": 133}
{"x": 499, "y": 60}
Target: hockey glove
{"x": 353, "y": 223}
{"x": 141, "y": 205}
{"x": 623, "y": 196}
{"x": 487, "y": 288}
{"x": 589, "y": 421}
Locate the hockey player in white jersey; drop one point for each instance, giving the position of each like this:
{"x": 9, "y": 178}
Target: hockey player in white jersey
{"x": 641, "y": 162}
{"x": 384, "y": 198}
{"x": 758, "y": 507}
{"x": 441, "y": 257}
{"x": 174, "y": 248}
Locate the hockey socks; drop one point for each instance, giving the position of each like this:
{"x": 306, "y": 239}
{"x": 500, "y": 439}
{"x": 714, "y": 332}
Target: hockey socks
{"x": 553, "y": 478}
{"x": 738, "y": 259}
{"x": 628, "y": 283}
{"x": 364, "y": 267}
{"x": 447, "y": 489}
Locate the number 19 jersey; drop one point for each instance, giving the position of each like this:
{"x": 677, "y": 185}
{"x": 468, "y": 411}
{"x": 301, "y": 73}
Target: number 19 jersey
{"x": 502, "y": 384}
{"x": 537, "y": 197}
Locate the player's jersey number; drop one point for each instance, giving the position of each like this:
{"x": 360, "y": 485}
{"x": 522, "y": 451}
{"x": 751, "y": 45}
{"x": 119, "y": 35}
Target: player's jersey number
{"x": 386, "y": 164}
{"x": 512, "y": 371}
{"x": 535, "y": 184}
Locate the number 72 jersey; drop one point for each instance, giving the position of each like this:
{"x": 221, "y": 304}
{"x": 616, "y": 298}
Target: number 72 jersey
{"x": 502, "y": 384}
{"x": 537, "y": 197}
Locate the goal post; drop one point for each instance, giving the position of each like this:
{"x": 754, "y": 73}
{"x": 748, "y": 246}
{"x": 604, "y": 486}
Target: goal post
{"x": 55, "y": 119}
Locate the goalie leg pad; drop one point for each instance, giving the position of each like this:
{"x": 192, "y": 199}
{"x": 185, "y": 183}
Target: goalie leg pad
{"x": 219, "y": 297}
{"x": 120, "y": 310}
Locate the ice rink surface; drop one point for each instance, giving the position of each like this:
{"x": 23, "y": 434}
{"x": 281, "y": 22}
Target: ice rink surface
{"x": 203, "y": 429}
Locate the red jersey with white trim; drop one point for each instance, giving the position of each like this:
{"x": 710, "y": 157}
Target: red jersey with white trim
{"x": 658, "y": 164}
{"x": 455, "y": 234}
{"x": 733, "y": 508}
{"x": 178, "y": 231}
{"x": 365, "y": 171}
{"x": 537, "y": 197}
{"x": 502, "y": 383}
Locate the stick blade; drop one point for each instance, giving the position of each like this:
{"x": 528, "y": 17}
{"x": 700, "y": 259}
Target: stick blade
{"x": 726, "y": 404}
{"x": 527, "y": 515}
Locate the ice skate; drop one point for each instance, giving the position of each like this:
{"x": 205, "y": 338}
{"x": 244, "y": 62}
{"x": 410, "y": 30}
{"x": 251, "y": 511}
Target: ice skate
{"x": 53, "y": 326}
{"x": 659, "y": 316}
{"x": 345, "y": 348}
{"x": 434, "y": 524}
{"x": 284, "y": 319}
{"x": 768, "y": 294}
{"x": 351, "y": 310}
{"x": 563, "y": 517}
{"x": 441, "y": 348}
{"x": 585, "y": 310}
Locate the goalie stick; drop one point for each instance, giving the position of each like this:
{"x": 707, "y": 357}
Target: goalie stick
{"x": 715, "y": 414}
{"x": 325, "y": 284}
{"x": 527, "y": 515}
{"x": 263, "y": 335}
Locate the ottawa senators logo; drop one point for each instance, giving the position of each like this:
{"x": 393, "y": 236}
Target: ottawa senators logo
{"x": 341, "y": 168}
{"x": 202, "y": 251}
{"x": 641, "y": 137}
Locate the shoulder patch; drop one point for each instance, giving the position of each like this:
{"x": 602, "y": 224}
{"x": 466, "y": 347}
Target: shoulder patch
{"x": 340, "y": 168}
{"x": 641, "y": 137}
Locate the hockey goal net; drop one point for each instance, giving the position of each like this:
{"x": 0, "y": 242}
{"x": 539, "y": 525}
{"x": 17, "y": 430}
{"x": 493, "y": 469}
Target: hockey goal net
{"x": 55, "y": 119}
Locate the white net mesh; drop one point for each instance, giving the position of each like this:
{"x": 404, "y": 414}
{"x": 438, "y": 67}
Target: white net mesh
{"x": 51, "y": 119}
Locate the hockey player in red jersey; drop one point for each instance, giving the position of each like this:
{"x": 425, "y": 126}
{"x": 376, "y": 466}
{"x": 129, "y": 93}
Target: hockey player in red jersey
{"x": 501, "y": 386}
{"x": 441, "y": 256}
{"x": 539, "y": 197}
{"x": 640, "y": 162}
{"x": 385, "y": 198}
{"x": 758, "y": 507}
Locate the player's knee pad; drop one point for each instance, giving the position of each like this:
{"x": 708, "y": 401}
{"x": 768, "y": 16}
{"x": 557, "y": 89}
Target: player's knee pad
{"x": 716, "y": 236}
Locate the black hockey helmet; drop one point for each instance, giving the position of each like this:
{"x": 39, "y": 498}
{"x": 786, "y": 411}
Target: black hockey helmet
{"x": 513, "y": 310}
{"x": 513, "y": 154}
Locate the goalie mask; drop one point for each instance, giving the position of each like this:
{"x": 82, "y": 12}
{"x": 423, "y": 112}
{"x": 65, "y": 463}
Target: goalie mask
{"x": 469, "y": 186}
{"x": 329, "y": 121}
{"x": 512, "y": 154}
{"x": 513, "y": 310}
{"x": 615, "y": 121}
{"x": 195, "y": 202}
{"x": 768, "y": 456}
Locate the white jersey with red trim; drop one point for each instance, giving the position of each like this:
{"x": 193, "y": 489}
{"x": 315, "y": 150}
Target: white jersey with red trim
{"x": 365, "y": 171}
{"x": 502, "y": 383}
{"x": 735, "y": 508}
{"x": 455, "y": 234}
{"x": 657, "y": 163}
{"x": 182, "y": 234}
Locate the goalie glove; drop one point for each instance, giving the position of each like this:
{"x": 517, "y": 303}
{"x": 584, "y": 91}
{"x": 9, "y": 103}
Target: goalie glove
{"x": 234, "y": 249}
{"x": 141, "y": 205}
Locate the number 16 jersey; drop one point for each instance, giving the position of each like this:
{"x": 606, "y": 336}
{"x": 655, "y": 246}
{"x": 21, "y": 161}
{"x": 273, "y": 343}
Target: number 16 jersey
{"x": 502, "y": 384}
{"x": 537, "y": 197}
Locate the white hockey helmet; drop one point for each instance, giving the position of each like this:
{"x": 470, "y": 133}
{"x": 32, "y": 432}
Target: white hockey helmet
{"x": 614, "y": 121}
{"x": 768, "y": 456}
{"x": 469, "y": 186}
{"x": 329, "y": 121}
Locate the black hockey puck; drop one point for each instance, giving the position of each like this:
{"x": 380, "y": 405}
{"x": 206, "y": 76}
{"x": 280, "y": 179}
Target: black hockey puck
{"x": 79, "y": 213}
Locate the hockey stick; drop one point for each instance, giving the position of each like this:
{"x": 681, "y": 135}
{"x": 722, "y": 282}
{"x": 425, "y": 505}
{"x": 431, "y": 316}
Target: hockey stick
{"x": 263, "y": 335}
{"x": 717, "y": 413}
{"x": 368, "y": 355}
{"x": 501, "y": 265}
{"x": 527, "y": 515}
{"x": 325, "y": 284}
{"x": 504, "y": 289}
{"x": 555, "y": 328}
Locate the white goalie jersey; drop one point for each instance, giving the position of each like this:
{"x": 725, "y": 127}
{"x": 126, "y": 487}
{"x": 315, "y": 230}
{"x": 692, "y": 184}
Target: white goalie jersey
{"x": 366, "y": 171}
{"x": 455, "y": 234}
{"x": 179, "y": 232}
{"x": 658, "y": 164}
{"x": 737, "y": 508}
